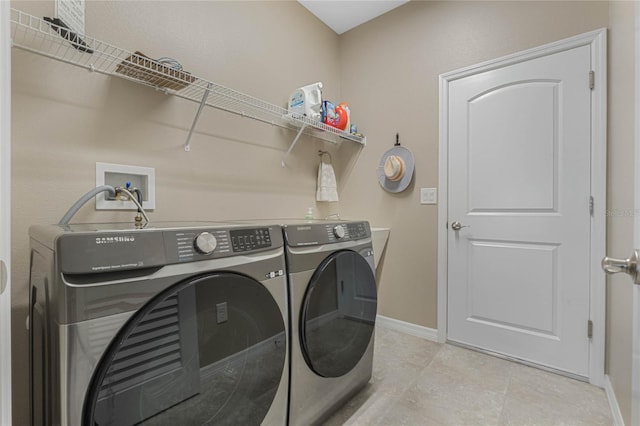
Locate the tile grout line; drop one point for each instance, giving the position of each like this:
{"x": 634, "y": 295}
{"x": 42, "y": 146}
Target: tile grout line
{"x": 407, "y": 387}
{"x": 506, "y": 393}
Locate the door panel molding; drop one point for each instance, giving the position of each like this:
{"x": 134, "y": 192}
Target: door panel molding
{"x": 541, "y": 262}
{"x": 596, "y": 40}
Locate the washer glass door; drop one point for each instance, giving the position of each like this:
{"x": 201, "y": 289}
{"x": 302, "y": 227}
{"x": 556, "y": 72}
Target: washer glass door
{"x": 338, "y": 314}
{"x": 208, "y": 350}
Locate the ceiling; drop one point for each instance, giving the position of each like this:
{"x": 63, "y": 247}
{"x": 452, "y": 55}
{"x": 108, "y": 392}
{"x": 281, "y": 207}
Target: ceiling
{"x": 343, "y": 15}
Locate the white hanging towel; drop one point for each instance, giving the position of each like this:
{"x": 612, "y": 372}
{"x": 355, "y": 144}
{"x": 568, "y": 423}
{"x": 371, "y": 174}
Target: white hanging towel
{"x": 327, "y": 185}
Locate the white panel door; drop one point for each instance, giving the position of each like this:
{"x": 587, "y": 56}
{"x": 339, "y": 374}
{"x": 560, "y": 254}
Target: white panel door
{"x": 519, "y": 183}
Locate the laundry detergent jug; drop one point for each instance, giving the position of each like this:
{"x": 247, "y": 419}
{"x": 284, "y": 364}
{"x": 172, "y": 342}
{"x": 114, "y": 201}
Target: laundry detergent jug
{"x": 306, "y": 101}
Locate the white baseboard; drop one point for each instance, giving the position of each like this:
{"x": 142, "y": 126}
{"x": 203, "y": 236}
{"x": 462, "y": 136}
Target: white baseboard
{"x": 613, "y": 402}
{"x": 407, "y": 327}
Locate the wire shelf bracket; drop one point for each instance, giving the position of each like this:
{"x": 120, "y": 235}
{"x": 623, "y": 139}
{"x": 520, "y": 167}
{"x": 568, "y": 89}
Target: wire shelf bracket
{"x": 35, "y": 35}
{"x": 295, "y": 141}
{"x": 187, "y": 145}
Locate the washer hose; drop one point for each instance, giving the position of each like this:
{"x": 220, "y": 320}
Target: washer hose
{"x": 95, "y": 191}
{"x": 83, "y": 200}
{"x": 135, "y": 201}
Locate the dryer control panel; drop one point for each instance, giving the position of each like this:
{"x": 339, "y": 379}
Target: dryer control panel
{"x": 326, "y": 233}
{"x": 347, "y": 231}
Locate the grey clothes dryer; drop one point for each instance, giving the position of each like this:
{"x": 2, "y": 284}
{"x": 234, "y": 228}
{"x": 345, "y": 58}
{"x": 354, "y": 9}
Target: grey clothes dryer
{"x": 179, "y": 324}
{"x": 333, "y": 298}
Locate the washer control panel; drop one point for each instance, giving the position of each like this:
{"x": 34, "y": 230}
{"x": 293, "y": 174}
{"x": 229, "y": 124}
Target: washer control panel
{"x": 126, "y": 249}
{"x": 197, "y": 244}
{"x": 205, "y": 243}
{"x": 201, "y": 244}
{"x": 250, "y": 239}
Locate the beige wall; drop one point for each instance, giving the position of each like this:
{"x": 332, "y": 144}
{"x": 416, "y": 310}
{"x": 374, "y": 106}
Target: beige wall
{"x": 65, "y": 119}
{"x": 391, "y": 67}
{"x": 620, "y": 200}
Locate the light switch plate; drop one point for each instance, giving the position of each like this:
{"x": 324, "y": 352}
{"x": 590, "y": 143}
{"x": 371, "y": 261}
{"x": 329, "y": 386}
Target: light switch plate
{"x": 428, "y": 196}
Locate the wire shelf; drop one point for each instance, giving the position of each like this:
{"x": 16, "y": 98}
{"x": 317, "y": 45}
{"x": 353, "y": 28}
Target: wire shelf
{"x": 38, "y": 36}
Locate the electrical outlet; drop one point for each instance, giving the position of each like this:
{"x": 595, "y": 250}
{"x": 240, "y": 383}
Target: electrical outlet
{"x": 428, "y": 196}
{"x": 142, "y": 178}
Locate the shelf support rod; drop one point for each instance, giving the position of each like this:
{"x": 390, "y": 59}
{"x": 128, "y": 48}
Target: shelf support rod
{"x": 295, "y": 141}
{"x": 187, "y": 145}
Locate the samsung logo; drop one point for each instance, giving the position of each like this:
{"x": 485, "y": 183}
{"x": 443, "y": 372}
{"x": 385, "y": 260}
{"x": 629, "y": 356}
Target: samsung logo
{"x": 115, "y": 240}
{"x": 303, "y": 228}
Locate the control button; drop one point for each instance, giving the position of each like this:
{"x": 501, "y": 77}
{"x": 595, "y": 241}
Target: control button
{"x": 205, "y": 243}
{"x": 338, "y": 231}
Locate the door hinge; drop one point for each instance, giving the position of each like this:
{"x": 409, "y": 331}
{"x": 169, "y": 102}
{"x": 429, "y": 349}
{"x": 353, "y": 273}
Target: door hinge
{"x": 591, "y": 205}
{"x": 592, "y": 79}
{"x": 589, "y": 329}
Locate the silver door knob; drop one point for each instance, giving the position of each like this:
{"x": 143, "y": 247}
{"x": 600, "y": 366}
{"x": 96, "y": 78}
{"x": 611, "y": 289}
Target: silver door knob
{"x": 456, "y": 226}
{"x": 628, "y": 266}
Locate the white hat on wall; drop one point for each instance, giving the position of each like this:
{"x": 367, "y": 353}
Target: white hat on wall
{"x": 396, "y": 169}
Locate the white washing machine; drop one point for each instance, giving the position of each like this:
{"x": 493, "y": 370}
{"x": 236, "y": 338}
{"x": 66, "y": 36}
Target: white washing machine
{"x": 179, "y": 324}
{"x": 332, "y": 291}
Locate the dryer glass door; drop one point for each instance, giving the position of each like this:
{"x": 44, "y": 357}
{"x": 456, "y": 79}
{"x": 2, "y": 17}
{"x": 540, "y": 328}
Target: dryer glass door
{"x": 208, "y": 350}
{"x": 338, "y": 314}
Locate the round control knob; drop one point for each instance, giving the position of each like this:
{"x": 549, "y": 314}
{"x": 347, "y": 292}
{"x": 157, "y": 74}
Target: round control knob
{"x": 338, "y": 231}
{"x": 205, "y": 243}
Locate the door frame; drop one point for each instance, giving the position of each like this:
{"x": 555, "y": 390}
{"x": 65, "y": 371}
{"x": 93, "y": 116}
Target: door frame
{"x": 597, "y": 41}
{"x": 5, "y": 211}
{"x": 635, "y": 348}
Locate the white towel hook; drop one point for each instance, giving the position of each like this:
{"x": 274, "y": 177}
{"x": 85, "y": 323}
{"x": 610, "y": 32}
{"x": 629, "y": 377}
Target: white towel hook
{"x": 321, "y": 153}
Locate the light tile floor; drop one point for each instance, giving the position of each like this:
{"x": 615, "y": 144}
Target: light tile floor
{"x": 419, "y": 382}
